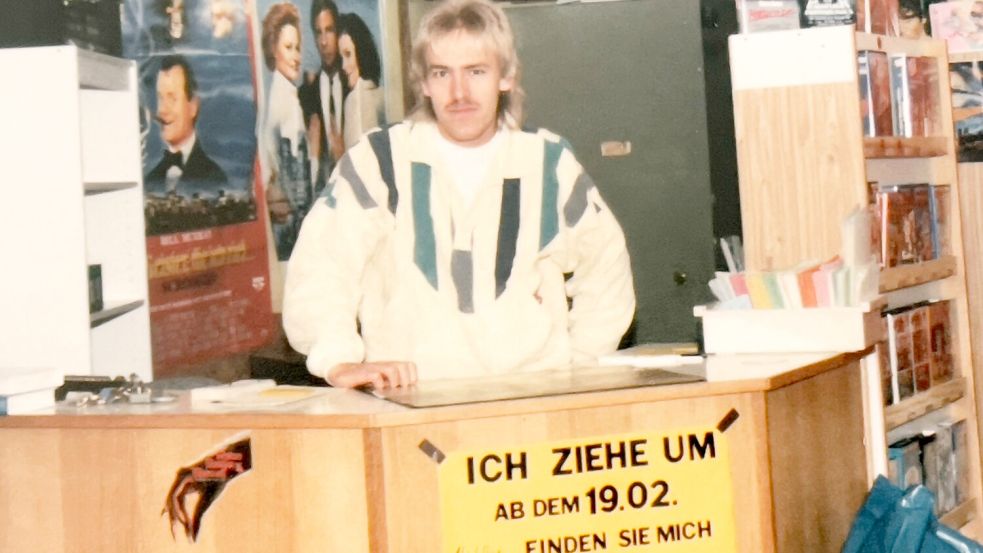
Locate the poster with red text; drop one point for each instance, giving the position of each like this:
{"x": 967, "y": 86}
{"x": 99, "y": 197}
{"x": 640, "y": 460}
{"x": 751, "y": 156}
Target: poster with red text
{"x": 204, "y": 206}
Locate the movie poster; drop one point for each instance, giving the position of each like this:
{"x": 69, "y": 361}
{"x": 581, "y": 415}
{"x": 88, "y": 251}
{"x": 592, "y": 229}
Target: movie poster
{"x": 959, "y": 23}
{"x": 204, "y": 206}
{"x": 246, "y": 107}
{"x": 321, "y": 68}
{"x": 966, "y": 79}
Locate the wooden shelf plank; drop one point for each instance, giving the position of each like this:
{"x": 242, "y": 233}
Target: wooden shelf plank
{"x": 903, "y": 276}
{"x": 924, "y": 402}
{"x": 867, "y": 41}
{"x": 101, "y": 187}
{"x": 965, "y": 112}
{"x": 113, "y": 311}
{"x": 900, "y": 45}
{"x": 962, "y": 57}
{"x": 961, "y": 515}
{"x": 896, "y": 146}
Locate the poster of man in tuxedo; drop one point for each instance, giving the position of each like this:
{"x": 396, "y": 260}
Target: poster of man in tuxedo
{"x": 185, "y": 170}
{"x": 207, "y": 242}
{"x": 198, "y": 111}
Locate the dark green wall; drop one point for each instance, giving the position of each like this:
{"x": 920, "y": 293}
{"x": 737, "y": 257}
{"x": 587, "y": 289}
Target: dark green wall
{"x": 648, "y": 72}
{"x": 719, "y": 22}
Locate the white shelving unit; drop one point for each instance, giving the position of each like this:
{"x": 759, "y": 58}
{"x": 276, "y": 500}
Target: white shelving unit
{"x": 72, "y": 197}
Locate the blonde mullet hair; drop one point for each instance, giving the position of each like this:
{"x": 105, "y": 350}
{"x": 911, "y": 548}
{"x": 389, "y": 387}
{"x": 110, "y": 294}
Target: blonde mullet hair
{"x": 479, "y": 18}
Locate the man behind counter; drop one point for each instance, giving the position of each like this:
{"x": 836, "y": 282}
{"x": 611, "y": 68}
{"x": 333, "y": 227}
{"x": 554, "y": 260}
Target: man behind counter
{"x": 448, "y": 245}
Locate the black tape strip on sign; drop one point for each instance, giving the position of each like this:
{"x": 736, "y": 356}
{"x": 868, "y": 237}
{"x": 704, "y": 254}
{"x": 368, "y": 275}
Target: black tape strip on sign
{"x": 728, "y": 420}
{"x": 431, "y": 451}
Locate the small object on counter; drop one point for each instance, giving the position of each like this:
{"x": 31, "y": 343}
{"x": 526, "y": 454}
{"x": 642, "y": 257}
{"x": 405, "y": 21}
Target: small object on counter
{"x": 118, "y": 391}
{"x": 142, "y": 396}
{"x": 81, "y": 399}
{"x": 223, "y": 392}
{"x": 136, "y": 391}
{"x": 86, "y": 383}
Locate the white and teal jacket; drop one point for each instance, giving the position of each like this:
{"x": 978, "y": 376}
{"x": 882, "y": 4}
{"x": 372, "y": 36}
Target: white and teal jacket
{"x": 460, "y": 292}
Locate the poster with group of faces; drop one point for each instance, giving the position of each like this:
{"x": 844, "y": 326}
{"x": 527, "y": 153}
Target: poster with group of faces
{"x": 245, "y": 106}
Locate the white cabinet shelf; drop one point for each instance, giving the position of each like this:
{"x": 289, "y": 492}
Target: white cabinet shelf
{"x": 102, "y": 72}
{"x": 112, "y": 311}
{"x": 102, "y": 187}
{"x": 73, "y": 198}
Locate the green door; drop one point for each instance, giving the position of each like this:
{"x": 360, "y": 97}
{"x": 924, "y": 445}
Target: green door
{"x": 633, "y": 72}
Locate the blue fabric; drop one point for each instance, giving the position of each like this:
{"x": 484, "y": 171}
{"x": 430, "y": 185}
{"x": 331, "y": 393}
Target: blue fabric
{"x": 508, "y": 233}
{"x": 549, "y": 218}
{"x": 380, "y": 142}
{"x": 425, "y": 246}
{"x": 896, "y": 521}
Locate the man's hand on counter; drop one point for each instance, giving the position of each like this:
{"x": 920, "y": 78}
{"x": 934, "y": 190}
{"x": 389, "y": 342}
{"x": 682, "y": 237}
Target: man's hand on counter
{"x": 380, "y": 375}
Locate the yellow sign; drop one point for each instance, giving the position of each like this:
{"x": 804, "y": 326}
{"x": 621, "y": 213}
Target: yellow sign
{"x": 666, "y": 491}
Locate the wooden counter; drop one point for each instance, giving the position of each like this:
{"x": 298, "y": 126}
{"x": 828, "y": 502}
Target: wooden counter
{"x": 346, "y": 472}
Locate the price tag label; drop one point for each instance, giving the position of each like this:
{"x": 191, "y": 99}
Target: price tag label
{"x": 665, "y": 491}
